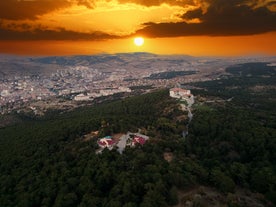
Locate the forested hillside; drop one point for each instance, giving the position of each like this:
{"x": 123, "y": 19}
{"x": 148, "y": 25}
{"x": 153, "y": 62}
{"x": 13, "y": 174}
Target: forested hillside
{"x": 230, "y": 147}
{"x": 45, "y": 162}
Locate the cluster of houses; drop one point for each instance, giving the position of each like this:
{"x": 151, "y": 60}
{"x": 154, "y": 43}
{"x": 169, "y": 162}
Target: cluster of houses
{"x": 129, "y": 139}
{"x": 103, "y": 92}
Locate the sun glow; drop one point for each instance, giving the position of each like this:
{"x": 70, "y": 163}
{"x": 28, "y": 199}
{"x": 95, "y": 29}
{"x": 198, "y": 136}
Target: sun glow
{"x": 139, "y": 41}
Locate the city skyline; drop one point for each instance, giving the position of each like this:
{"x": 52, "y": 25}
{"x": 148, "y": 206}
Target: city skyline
{"x": 193, "y": 27}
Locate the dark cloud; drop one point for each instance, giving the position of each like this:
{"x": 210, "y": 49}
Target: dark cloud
{"x": 273, "y": 3}
{"x": 159, "y": 2}
{"x": 197, "y": 13}
{"x": 88, "y": 3}
{"x": 20, "y": 9}
{"x": 223, "y": 17}
{"x": 48, "y": 34}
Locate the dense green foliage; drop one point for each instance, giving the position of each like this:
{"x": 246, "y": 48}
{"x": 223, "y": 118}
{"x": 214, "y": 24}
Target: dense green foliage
{"x": 45, "y": 162}
{"x": 236, "y": 139}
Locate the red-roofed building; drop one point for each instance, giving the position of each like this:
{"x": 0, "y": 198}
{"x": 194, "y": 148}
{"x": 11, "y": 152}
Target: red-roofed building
{"x": 138, "y": 140}
{"x": 104, "y": 142}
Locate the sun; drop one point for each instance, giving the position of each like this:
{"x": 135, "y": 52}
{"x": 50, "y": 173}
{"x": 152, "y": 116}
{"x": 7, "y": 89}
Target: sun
{"x": 138, "y": 41}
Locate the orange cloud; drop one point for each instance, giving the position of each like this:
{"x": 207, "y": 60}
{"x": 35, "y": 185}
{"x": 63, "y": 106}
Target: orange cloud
{"x": 107, "y": 17}
{"x": 101, "y": 19}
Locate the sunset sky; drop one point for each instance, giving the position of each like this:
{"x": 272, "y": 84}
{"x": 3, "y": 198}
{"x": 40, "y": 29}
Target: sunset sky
{"x": 193, "y": 27}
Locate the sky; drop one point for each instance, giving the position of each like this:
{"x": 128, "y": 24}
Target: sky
{"x": 192, "y": 27}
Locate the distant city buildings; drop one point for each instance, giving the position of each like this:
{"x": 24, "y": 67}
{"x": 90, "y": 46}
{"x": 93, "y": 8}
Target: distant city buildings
{"x": 81, "y": 78}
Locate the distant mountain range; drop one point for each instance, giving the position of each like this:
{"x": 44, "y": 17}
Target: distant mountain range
{"x": 19, "y": 65}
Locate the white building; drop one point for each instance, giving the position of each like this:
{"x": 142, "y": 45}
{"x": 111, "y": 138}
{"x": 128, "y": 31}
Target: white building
{"x": 82, "y": 97}
{"x": 5, "y": 93}
{"x": 124, "y": 89}
{"x": 179, "y": 93}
